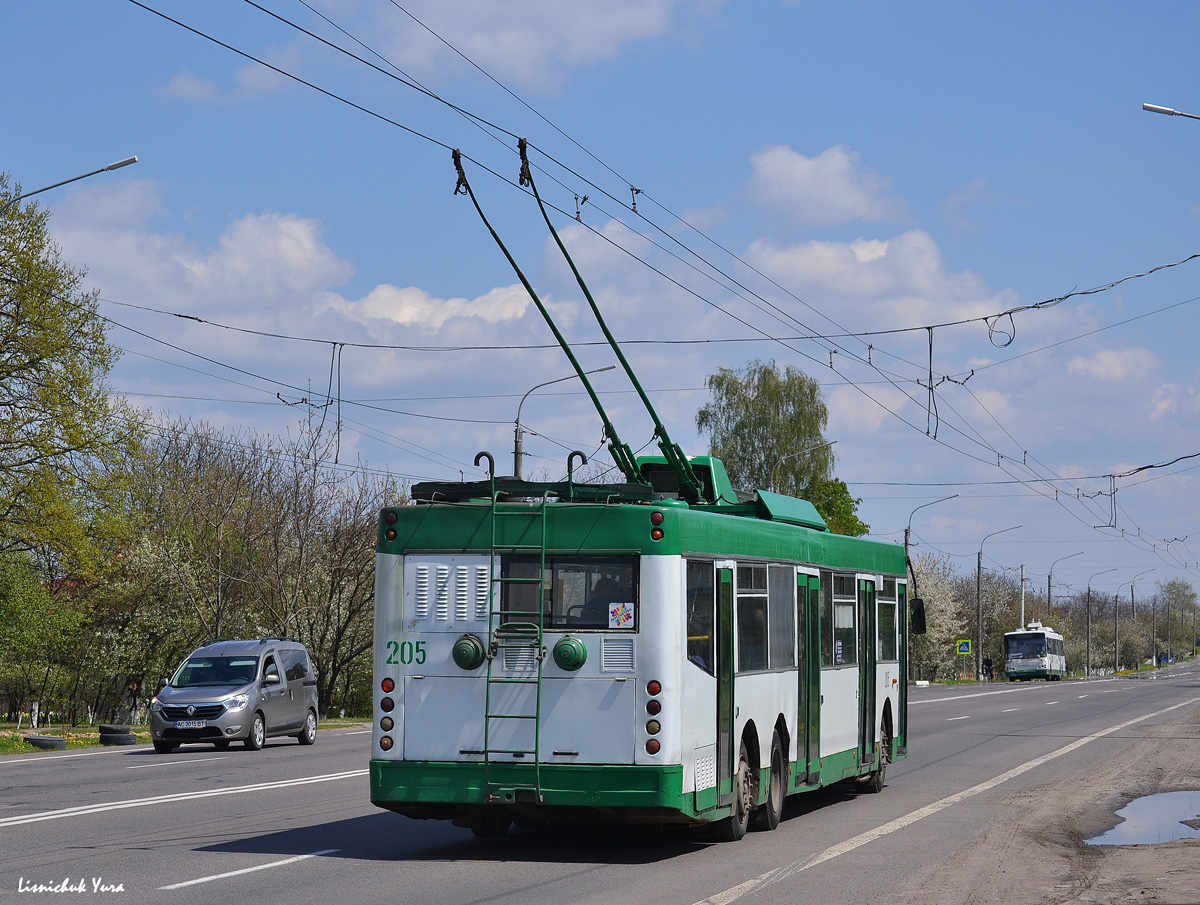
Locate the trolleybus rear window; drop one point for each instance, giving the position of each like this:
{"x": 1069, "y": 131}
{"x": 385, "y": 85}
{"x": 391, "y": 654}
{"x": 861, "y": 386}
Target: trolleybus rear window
{"x": 576, "y": 592}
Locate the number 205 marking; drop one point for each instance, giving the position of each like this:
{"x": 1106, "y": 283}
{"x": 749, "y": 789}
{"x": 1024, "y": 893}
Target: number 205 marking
{"x": 405, "y": 652}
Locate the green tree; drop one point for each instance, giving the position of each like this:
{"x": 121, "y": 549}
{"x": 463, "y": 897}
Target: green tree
{"x": 767, "y": 426}
{"x": 62, "y": 434}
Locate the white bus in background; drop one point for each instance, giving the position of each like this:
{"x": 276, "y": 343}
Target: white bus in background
{"x": 1035, "y": 652}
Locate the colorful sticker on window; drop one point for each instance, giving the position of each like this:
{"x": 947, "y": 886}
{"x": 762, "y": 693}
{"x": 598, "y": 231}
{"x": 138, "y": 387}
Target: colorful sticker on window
{"x": 620, "y": 615}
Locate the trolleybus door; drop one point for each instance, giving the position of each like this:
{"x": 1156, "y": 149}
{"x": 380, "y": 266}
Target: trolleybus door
{"x": 808, "y": 675}
{"x": 868, "y": 650}
{"x": 727, "y": 749}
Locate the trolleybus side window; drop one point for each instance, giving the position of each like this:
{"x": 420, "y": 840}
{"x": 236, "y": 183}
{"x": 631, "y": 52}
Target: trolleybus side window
{"x": 579, "y": 592}
{"x": 701, "y": 600}
{"x": 782, "y": 616}
{"x": 751, "y": 618}
{"x": 886, "y": 601}
{"x": 839, "y": 603}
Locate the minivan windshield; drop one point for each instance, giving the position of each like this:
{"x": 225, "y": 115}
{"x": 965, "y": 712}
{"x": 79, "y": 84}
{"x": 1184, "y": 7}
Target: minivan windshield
{"x": 209, "y": 671}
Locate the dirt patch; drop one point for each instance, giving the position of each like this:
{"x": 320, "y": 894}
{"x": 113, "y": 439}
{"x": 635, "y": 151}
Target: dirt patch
{"x": 1036, "y": 850}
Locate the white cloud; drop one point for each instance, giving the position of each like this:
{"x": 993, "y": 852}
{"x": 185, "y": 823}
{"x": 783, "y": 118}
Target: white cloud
{"x": 903, "y": 280}
{"x": 1114, "y": 365}
{"x": 188, "y": 86}
{"x": 852, "y": 413}
{"x": 833, "y": 187}
{"x": 260, "y": 265}
{"x": 414, "y": 307}
{"x": 530, "y": 43}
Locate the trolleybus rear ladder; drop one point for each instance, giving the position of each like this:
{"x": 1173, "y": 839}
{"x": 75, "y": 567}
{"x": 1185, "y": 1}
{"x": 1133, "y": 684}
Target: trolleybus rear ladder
{"x": 507, "y": 634}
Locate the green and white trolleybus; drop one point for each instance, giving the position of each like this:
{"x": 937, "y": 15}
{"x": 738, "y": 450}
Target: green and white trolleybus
{"x": 550, "y": 651}
{"x": 663, "y": 650}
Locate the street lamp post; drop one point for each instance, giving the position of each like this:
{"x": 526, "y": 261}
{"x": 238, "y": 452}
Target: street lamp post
{"x": 798, "y": 452}
{"x": 907, "y": 532}
{"x": 518, "y": 444}
{"x": 112, "y": 166}
{"x": 979, "y": 601}
{"x": 1049, "y": 579}
{"x": 1088, "y": 668}
{"x": 1132, "y": 614}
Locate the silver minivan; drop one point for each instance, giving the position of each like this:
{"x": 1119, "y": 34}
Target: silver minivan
{"x": 244, "y": 691}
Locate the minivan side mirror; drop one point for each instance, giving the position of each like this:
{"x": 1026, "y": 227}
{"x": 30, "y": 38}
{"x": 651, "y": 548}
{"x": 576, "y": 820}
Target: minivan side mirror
{"x": 162, "y": 683}
{"x": 916, "y": 619}
{"x": 271, "y": 678}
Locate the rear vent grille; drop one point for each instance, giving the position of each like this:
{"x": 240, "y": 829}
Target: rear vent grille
{"x": 616, "y": 655}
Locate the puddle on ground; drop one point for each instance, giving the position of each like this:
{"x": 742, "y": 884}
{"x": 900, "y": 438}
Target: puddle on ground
{"x": 1164, "y": 817}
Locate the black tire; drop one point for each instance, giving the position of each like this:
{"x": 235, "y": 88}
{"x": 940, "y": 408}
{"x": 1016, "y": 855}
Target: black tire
{"x": 113, "y": 738}
{"x": 46, "y": 742}
{"x": 492, "y": 827}
{"x": 769, "y": 813}
{"x": 113, "y": 729}
{"x": 163, "y": 747}
{"x": 221, "y": 744}
{"x": 309, "y": 734}
{"x": 734, "y": 827}
{"x": 258, "y": 733}
{"x": 876, "y": 780}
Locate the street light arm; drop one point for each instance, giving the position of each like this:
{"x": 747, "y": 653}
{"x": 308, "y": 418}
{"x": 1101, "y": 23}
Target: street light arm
{"x": 112, "y": 166}
{"x": 798, "y": 452}
{"x": 1167, "y": 111}
{"x": 518, "y": 450}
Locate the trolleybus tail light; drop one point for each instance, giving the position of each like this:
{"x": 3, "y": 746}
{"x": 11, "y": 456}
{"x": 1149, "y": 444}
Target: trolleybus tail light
{"x": 652, "y": 746}
{"x": 653, "y": 707}
{"x": 386, "y": 724}
{"x": 390, "y": 517}
{"x": 386, "y": 743}
{"x": 653, "y": 687}
{"x": 388, "y": 685}
{"x": 656, "y": 519}
{"x": 653, "y": 727}
{"x": 391, "y": 534}
{"x": 387, "y": 705}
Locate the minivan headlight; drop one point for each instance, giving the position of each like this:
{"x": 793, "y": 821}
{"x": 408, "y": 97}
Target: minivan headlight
{"x": 155, "y": 705}
{"x": 237, "y": 702}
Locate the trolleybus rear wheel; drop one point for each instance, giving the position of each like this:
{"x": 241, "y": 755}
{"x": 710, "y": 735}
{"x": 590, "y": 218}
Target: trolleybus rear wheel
{"x": 768, "y": 815}
{"x": 874, "y": 782}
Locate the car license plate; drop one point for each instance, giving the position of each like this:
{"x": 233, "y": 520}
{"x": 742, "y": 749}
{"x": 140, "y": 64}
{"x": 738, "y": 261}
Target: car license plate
{"x": 190, "y": 724}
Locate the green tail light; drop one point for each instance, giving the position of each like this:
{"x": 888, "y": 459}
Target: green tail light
{"x": 570, "y": 653}
{"x": 469, "y": 652}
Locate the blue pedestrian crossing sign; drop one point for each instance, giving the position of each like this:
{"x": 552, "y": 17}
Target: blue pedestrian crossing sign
{"x": 964, "y": 647}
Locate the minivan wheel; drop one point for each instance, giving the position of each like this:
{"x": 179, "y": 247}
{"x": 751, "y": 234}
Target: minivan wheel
{"x": 221, "y": 744}
{"x": 258, "y": 733}
{"x": 163, "y": 747}
{"x": 309, "y": 735}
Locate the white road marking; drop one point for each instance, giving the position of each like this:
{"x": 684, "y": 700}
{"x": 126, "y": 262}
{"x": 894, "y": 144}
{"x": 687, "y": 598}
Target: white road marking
{"x": 953, "y": 718}
{"x": 1011, "y": 710}
{"x": 249, "y": 870}
{"x": 984, "y": 694}
{"x": 1048, "y": 703}
{"x": 171, "y": 763}
{"x": 774, "y": 876}
{"x": 178, "y": 796}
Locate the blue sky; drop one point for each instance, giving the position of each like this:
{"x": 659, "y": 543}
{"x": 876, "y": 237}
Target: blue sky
{"x": 853, "y": 167}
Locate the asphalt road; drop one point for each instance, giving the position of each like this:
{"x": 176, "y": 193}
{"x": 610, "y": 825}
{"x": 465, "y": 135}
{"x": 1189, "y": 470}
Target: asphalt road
{"x": 295, "y": 824}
